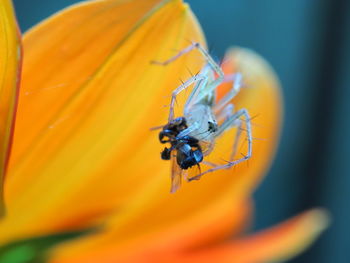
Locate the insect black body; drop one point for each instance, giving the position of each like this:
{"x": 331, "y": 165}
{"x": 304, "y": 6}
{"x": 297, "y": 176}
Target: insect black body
{"x": 188, "y": 150}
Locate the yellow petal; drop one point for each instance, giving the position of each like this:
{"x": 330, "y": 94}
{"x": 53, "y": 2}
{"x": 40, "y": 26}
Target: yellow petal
{"x": 154, "y": 221}
{"x": 10, "y": 56}
{"x": 88, "y": 99}
{"x": 276, "y": 244}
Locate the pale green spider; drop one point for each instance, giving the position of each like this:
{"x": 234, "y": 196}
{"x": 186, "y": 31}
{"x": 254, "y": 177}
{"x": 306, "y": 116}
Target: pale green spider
{"x": 192, "y": 136}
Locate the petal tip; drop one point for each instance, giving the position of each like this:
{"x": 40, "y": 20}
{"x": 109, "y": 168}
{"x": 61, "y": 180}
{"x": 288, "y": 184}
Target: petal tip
{"x": 253, "y": 64}
{"x": 318, "y": 220}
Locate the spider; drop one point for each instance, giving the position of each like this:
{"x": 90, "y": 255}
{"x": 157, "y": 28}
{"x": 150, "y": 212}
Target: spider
{"x": 192, "y": 136}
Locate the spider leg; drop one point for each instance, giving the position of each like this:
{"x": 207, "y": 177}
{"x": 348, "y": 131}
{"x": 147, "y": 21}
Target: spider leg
{"x": 209, "y": 163}
{"x": 198, "y": 87}
{"x": 210, "y": 61}
{"x": 232, "y": 120}
{"x": 222, "y": 116}
{"x": 238, "y": 135}
{"x": 198, "y": 46}
{"x": 236, "y": 86}
{"x": 225, "y": 113}
{"x": 189, "y": 130}
{"x": 182, "y": 87}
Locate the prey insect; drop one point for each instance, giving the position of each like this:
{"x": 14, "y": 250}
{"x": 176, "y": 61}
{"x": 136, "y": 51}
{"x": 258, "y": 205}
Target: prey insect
{"x": 192, "y": 136}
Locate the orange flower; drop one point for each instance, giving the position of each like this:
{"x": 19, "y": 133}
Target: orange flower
{"x": 83, "y": 155}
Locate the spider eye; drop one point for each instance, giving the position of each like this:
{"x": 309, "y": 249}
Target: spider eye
{"x": 212, "y": 127}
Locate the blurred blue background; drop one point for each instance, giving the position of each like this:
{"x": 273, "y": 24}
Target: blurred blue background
{"x": 308, "y": 44}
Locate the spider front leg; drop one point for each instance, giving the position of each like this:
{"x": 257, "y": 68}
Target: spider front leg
{"x": 195, "y": 45}
{"x": 231, "y": 121}
{"x": 185, "y": 85}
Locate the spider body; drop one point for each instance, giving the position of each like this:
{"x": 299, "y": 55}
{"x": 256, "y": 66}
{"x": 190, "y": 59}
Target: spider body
{"x": 192, "y": 137}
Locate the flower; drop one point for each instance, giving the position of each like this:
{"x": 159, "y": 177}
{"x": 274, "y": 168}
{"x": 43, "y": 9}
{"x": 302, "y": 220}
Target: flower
{"x": 83, "y": 157}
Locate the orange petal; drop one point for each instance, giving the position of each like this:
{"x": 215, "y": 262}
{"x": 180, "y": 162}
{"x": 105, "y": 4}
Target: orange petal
{"x": 95, "y": 149}
{"x": 202, "y": 228}
{"x": 275, "y": 244}
{"x": 10, "y": 56}
{"x": 155, "y": 221}
{"x": 92, "y": 93}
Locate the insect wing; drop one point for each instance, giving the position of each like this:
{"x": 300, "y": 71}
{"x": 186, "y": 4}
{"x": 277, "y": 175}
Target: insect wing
{"x": 193, "y": 173}
{"x": 206, "y": 146}
{"x": 176, "y": 175}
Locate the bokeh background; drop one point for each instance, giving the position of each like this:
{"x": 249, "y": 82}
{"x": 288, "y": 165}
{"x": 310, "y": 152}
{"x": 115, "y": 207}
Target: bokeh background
{"x": 308, "y": 44}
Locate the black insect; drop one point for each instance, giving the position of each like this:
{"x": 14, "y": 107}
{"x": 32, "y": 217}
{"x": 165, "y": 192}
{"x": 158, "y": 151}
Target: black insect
{"x": 188, "y": 150}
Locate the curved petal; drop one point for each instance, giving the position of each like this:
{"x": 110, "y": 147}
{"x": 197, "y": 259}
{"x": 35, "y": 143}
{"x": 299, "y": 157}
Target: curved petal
{"x": 276, "y": 244}
{"x": 155, "y": 221}
{"x": 216, "y": 228}
{"x": 92, "y": 94}
{"x": 10, "y": 61}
